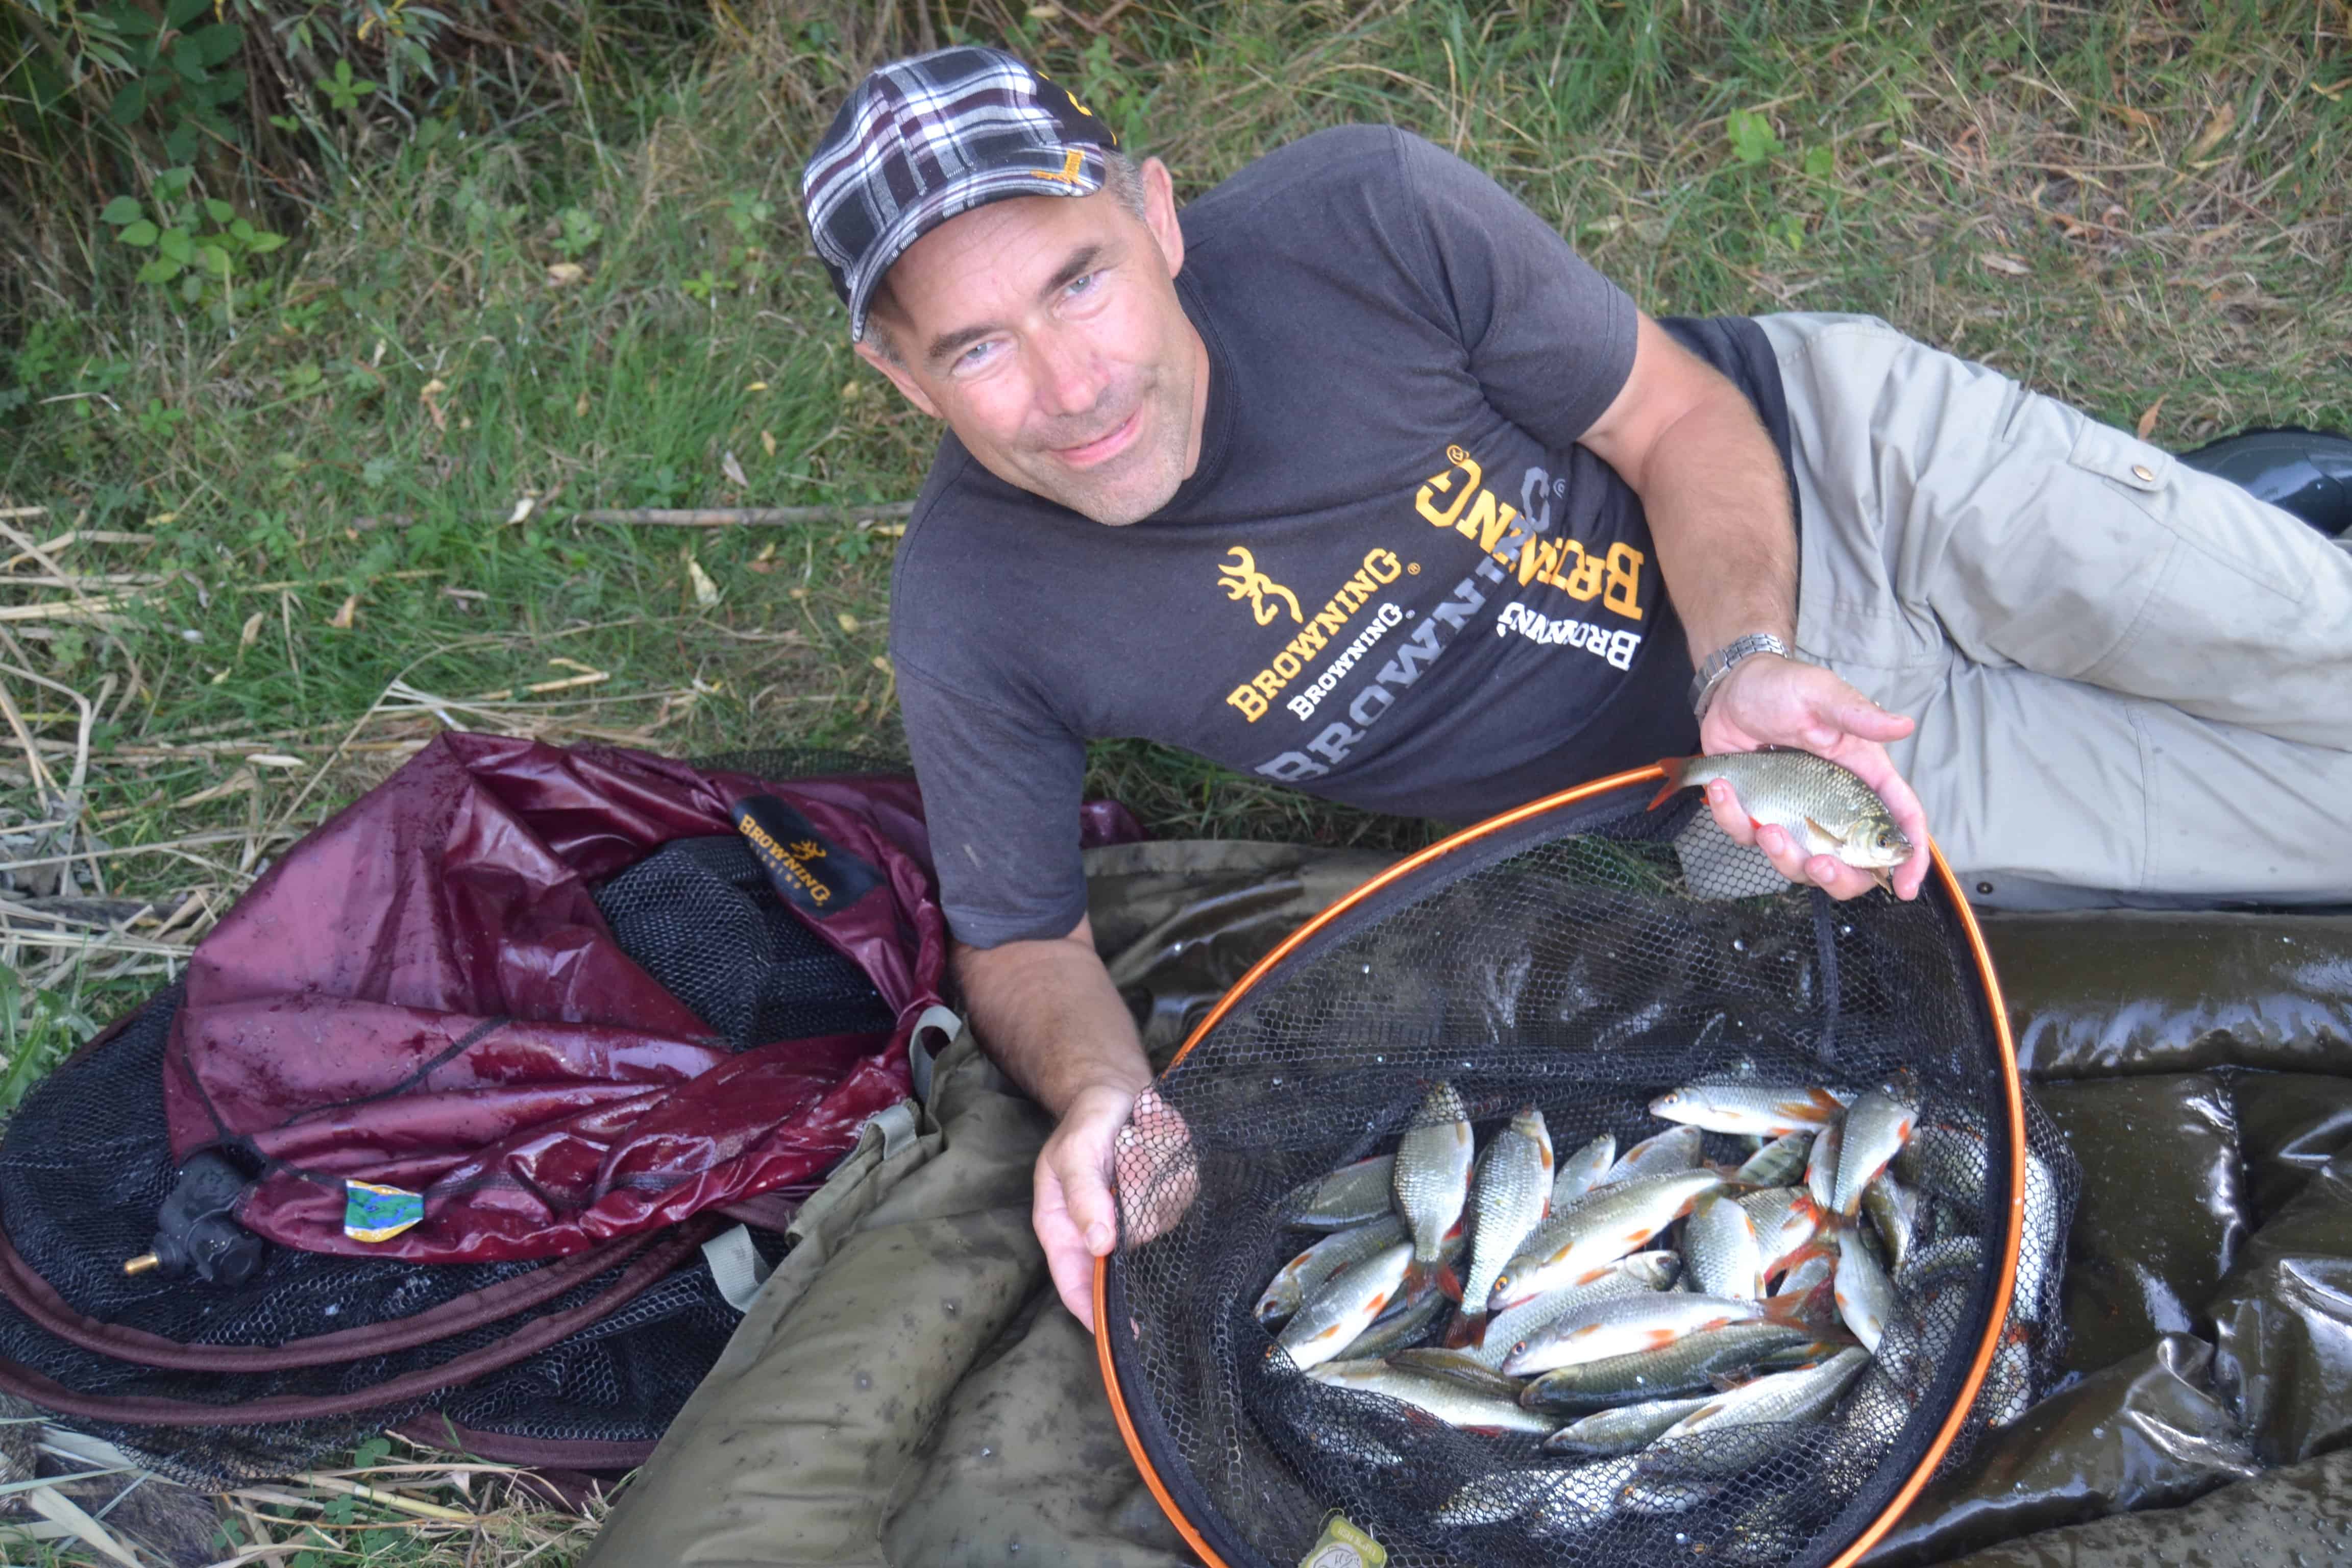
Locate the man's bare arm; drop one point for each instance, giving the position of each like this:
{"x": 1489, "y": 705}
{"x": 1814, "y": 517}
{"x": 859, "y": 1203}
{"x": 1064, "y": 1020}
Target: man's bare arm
{"x": 1712, "y": 489}
{"x": 1050, "y": 1016}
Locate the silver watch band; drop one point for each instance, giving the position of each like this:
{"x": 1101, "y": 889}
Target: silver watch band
{"x": 1718, "y": 664}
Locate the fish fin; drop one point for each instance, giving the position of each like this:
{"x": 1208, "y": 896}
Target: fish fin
{"x": 1674, "y": 767}
{"x": 1788, "y": 1311}
{"x": 1449, "y": 1282}
{"x": 1467, "y": 1330}
{"x": 1836, "y": 839}
{"x": 1883, "y": 876}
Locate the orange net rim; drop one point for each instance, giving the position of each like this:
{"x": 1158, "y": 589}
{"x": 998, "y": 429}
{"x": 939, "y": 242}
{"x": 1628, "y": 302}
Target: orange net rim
{"x": 2012, "y": 1093}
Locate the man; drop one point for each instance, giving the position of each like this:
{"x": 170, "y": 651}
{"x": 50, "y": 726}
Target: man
{"x": 1358, "y": 478}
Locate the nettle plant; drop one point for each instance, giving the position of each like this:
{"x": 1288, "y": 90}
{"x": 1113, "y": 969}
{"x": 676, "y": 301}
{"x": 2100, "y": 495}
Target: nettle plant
{"x": 201, "y": 248}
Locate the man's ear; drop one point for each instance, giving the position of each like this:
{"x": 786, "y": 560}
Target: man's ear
{"x": 907, "y": 385}
{"x": 1160, "y": 213}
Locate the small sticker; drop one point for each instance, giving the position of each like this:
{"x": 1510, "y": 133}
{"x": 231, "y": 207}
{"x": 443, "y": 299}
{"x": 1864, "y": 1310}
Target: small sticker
{"x": 1342, "y": 1545}
{"x": 372, "y": 1212}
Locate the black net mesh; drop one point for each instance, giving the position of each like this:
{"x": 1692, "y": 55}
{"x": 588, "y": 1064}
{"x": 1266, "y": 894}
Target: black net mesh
{"x": 699, "y": 915}
{"x": 86, "y": 1163}
{"x": 1586, "y": 975}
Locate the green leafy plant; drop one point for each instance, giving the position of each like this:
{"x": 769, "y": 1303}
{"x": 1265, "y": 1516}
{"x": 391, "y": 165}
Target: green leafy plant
{"x": 200, "y": 244}
{"x": 1751, "y": 138}
{"x": 343, "y": 90}
{"x": 579, "y": 230}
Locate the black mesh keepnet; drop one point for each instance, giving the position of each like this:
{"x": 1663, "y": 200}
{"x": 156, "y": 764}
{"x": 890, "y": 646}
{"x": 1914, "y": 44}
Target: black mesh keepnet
{"x": 1586, "y": 975}
{"x": 698, "y": 913}
{"x": 86, "y": 1163}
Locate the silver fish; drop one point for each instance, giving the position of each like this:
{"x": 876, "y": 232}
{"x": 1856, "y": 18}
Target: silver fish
{"x": 1605, "y": 1434}
{"x": 1815, "y": 1267}
{"x": 1780, "y": 1396}
{"x": 1552, "y": 1500}
{"x": 1684, "y": 1367}
{"x": 1582, "y": 1171}
{"x": 1948, "y": 1159}
{"x": 1400, "y": 1323}
{"x": 1677, "y": 1149}
{"x": 1893, "y": 1210}
{"x": 1778, "y": 1162}
{"x": 1955, "y": 1256}
{"x": 1865, "y": 1299}
{"x": 1509, "y": 1197}
{"x": 2008, "y": 1391}
{"x": 1350, "y": 1196}
{"x": 1635, "y": 1274}
{"x": 1433, "y": 1174}
{"x": 1626, "y": 1325}
{"x": 1461, "y": 1367}
{"x": 1720, "y": 1242}
{"x": 2037, "y": 1247}
{"x": 1443, "y": 1397}
{"x": 1311, "y": 1269}
{"x": 1606, "y": 1226}
{"x": 1821, "y": 1166}
{"x": 1347, "y": 1305}
{"x": 1826, "y": 809}
{"x": 1749, "y": 1108}
{"x": 1877, "y": 1128}
{"x": 1786, "y": 1220}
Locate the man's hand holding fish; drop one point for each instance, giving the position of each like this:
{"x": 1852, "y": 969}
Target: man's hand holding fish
{"x": 1768, "y": 700}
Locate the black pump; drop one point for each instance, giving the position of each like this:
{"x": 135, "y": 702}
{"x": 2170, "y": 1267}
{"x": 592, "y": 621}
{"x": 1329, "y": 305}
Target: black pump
{"x": 196, "y": 1229}
{"x": 2306, "y": 472}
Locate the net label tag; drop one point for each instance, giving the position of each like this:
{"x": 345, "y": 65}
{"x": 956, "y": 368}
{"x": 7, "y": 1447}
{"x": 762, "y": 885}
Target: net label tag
{"x": 1342, "y": 1545}
{"x": 372, "y": 1212}
{"x": 810, "y": 872}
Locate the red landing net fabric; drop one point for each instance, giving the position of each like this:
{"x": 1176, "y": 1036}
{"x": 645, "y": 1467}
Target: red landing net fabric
{"x": 456, "y": 894}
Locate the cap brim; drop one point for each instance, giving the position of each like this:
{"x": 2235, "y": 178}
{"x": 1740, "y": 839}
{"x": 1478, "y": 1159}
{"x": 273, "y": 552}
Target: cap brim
{"x": 1078, "y": 172}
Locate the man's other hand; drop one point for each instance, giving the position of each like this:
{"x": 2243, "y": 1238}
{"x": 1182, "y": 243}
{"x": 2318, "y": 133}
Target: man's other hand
{"x": 1767, "y": 700}
{"x": 1076, "y": 1219}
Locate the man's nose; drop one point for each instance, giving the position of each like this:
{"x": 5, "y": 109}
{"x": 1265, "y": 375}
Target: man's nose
{"x": 1070, "y": 378}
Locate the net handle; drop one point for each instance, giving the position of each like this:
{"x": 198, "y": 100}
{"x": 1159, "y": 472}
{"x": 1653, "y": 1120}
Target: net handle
{"x": 2012, "y": 1094}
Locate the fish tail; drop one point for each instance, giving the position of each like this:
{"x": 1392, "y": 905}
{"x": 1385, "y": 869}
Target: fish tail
{"x": 1467, "y": 1330}
{"x": 1674, "y": 767}
{"x": 1448, "y": 1282}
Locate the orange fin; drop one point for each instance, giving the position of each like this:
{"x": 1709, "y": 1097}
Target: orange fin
{"x": 1838, "y": 838}
{"x": 1449, "y": 1282}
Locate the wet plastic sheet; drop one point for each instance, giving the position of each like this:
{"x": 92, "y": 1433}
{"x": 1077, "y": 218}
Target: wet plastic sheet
{"x": 2284, "y": 1324}
{"x": 424, "y": 995}
{"x": 2147, "y": 1432}
{"x": 2300, "y": 1517}
{"x": 2160, "y": 1218}
{"x": 2137, "y": 992}
{"x": 2292, "y": 1124}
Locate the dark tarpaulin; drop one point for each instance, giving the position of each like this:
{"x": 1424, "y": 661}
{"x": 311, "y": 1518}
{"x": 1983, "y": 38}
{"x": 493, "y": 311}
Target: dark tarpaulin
{"x": 424, "y": 995}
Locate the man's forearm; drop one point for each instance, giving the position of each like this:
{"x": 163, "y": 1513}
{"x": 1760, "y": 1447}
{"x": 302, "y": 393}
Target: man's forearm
{"x": 1717, "y": 497}
{"x": 1049, "y": 1015}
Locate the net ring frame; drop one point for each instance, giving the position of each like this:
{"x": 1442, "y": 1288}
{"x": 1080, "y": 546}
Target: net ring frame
{"x": 2013, "y": 1105}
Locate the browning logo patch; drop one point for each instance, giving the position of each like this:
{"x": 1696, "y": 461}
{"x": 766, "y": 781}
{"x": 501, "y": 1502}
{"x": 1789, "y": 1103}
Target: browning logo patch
{"x": 814, "y": 876}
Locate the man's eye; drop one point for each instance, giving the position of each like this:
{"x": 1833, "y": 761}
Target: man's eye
{"x": 1081, "y": 284}
{"x": 975, "y": 355}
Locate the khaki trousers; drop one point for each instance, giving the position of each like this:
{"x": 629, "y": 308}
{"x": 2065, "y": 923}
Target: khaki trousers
{"x": 2132, "y": 680}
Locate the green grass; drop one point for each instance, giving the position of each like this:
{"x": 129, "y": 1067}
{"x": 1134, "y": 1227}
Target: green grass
{"x": 2145, "y": 209}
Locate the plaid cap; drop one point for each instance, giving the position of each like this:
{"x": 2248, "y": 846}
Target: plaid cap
{"x": 924, "y": 139}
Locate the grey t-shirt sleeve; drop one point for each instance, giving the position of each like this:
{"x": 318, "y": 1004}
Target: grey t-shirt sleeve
{"x": 1001, "y": 794}
{"x": 1550, "y": 338}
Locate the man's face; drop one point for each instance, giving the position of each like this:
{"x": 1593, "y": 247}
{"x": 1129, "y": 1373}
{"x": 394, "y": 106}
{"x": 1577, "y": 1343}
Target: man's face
{"x": 1046, "y": 332}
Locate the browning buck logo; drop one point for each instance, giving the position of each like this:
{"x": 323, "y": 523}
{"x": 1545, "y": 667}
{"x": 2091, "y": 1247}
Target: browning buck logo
{"x": 1246, "y": 582}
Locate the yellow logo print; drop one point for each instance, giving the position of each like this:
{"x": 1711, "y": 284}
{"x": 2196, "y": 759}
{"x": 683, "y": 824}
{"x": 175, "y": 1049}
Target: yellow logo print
{"x": 1248, "y": 582}
{"x": 808, "y": 849}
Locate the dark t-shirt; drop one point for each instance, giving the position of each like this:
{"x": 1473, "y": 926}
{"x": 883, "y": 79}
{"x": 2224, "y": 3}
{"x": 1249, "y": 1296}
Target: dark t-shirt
{"x": 1394, "y": 580}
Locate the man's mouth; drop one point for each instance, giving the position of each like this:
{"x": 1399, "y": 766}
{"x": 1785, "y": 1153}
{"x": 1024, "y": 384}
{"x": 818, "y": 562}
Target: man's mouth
{"x": 1088, "y": 454}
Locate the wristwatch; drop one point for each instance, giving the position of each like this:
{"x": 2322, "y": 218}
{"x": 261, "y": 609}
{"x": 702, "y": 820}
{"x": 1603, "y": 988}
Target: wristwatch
{"x": 1717, "y": 665}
